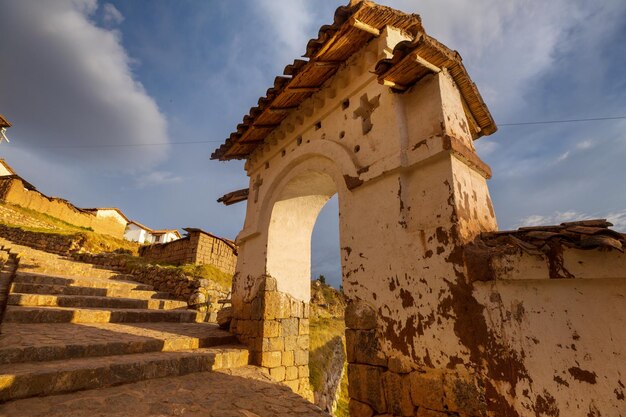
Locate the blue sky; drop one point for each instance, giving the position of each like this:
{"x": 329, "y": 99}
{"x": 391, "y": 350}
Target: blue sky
{"x": 81, "y": 75}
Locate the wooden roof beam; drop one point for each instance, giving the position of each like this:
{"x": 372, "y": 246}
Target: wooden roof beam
{"x": 281, "y": 110}
{"x": 303, "y": 89}
{"x": 354, "y": 22}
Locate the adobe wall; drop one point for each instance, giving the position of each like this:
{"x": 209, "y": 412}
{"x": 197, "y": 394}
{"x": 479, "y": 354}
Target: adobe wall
{"x": 12, "y": 191}
{"x": 197, "y": 248}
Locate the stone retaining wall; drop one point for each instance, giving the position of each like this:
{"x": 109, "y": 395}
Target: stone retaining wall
{"x": 275, "y": 326}
{"x": 198, "y": 247}
{"x": 202, "y": 294}
{"x": 15, "y": 191}
{"x": 48, "y": 242}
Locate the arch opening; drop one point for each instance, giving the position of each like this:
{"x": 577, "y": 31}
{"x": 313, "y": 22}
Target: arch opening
{"x": 293, "y": 218}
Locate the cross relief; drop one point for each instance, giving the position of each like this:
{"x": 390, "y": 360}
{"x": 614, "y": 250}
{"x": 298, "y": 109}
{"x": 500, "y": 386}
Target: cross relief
{"x": 365, "y": 112}
{"x": 256, "y": 186}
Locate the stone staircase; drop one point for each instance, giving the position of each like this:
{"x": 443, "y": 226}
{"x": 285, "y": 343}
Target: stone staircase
{"x": 67, "y": 333}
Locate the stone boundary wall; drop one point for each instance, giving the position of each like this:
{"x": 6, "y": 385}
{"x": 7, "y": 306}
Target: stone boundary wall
{"x": 48, "y": 242}
{"x": 198, "y": 247}
{"x": 8, "y": 265}
{"x": 275, "y": 326}
{"x": 199, "y": 293}
{"x": 13, "y": 190}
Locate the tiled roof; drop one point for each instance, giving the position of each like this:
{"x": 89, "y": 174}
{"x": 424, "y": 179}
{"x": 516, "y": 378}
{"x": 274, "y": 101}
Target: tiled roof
{"x": 334, "y": 45}
{"x": 585, "y": 234}
{"x": 412, "y": 60}
{"x": 4, "y": 122}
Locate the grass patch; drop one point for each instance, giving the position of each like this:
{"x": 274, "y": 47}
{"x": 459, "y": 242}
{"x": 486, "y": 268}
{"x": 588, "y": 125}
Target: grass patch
{"x": 94, "y": 242}
{"x": 323, "y": 330}
{"x": 209, "y": 272}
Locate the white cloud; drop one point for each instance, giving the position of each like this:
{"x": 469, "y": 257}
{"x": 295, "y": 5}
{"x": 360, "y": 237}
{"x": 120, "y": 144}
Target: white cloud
{"x": 67, "y": 82}
{"x": 156, "y": 178}
{"x": 290, "y": 21}
{"x": 562, "y": 157}
{"x": 585, "y": 144}
{"x": 110, "y": 15}
{"x": 555, "y": 218}
{"x": 618, "y": 219}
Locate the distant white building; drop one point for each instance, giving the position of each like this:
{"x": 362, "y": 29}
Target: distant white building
{"x": 165, "y": 236}
{"x": 137, "y": 232}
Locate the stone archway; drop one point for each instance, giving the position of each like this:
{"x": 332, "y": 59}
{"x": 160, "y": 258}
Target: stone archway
{"x": 412, "y": 192}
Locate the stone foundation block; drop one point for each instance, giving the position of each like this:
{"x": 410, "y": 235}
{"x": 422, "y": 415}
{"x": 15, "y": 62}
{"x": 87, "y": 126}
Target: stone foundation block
{"x": 304, "y": 327}
{"x": 398, "y": 394}
{"x": 290, "y": 327}
{"x": 302, "y": 357}
{"x": 303, "y": 342}
{"x": 291, "y": 373}
{"x": 271, "y": 359}
{"x": 288, "y": 358}
{"x": 365, "y": 384}
{"x": 291, "y": 342}
{"x": 360, "y": 409}
{"x": 360, "y": 316}
{"x": 363, "y": 346}
{"x": 427, "y": 389}
{"x": 278, "y": 373}
{"x": 273, "y": 344}
{"x": 271, "y": 328}
{"x": 461, "y": 394}
{"x": 303, "y": 371}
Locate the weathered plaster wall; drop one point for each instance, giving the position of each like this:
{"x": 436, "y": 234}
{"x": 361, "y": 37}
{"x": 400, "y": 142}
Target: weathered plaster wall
{"x": 12, "y": 191}
{"x": 423, "y": 337}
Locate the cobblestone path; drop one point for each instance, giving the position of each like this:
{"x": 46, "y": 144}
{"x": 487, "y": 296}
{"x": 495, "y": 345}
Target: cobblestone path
{"x": 79, "y": 340}
{"x": 241, "y": 392}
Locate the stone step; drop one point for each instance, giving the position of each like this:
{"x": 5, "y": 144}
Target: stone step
{"x": 47, "y": 300}
{"x": 18, "y": 314}
{"x": 48, "y": 342}
{"x": 26, "y": 288}
{"x": 56, "y": 377}
{"x": 106, "y": 283}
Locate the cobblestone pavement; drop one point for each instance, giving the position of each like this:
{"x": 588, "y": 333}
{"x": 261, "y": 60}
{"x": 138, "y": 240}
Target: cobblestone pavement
{"x": 241, "y": 392}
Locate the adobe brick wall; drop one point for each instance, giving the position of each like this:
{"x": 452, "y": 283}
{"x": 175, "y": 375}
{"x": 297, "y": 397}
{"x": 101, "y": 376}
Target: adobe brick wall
{"x": 197, "y": 248}
{"x": 12, "y": 191}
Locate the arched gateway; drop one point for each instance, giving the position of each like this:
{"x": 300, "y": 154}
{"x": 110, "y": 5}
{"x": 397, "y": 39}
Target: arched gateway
{"x": 385, "y": 116}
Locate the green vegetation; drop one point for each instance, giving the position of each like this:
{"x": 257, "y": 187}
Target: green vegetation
{"x": 34, "y": 221}
{"x": 208, "y": 272}
{"x": 326, "y": 329}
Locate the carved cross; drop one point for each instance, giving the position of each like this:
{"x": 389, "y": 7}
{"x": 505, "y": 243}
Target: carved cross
{"x": 365, "y": 112}
{"x": 255, "y": 186}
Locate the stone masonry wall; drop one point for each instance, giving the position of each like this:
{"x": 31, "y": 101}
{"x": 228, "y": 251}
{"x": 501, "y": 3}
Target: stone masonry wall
{"x": 381, "y": 385}
{"x": 12, "y": 190}
{"x": 48, "y": 242}
{"x": 275, "y": 327}
{"x": 197, "y": 248}
{"x": 201, "y": 294}
{"x": 177, "y": 252}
